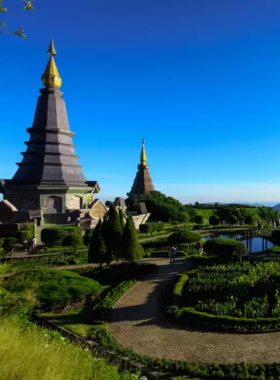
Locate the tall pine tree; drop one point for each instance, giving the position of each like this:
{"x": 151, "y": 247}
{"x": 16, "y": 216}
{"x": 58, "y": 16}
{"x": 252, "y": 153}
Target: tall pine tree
{"x": 113, "y": 234}
{"x": 97, "y": 247}
{"x": 130, "y": 241}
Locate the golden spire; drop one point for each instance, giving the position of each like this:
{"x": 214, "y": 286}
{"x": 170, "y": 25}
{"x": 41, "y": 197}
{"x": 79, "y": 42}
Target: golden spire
{"x": 51, "y": 78}
{"x": 143, "y": 156}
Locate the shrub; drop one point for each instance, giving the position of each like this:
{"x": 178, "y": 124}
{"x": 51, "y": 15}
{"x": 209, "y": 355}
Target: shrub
{"x": 73, "y": 240}
{"x": 183, "y": 237}
{"x": 102, "y": 309}
{"x": 56, "y": 235}
{"x": 250, "y": 219}
{"x": 151, "y": 227}
{"x": 191, "y": 317}
{"x": 27, "y": 227}
{"x": 214, "y": 220}
{"x": 54, "y": 288}
{"x": 225, "y": 249}
{"x": 178, "y": 288}
{"x": 24, "y": 235}
{"x": 87, "y": 236}
{"x": 276, "y": 237}
{"x": 175, "y": 222}
{"x": 131, "y": 250}
{"x": 112, "y": 233}
{"x": 9, "y": 243}
{"x": 97, "y": 247}
{"x": 199, "y": 219}
{"x": 232, "y": 219}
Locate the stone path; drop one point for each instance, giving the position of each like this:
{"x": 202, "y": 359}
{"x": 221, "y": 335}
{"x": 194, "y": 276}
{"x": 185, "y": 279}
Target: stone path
{"x": 137, "y": 323}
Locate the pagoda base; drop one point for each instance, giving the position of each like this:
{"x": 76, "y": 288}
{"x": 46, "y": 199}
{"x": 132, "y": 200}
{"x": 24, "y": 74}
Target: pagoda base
{"x": 51, "y": 198}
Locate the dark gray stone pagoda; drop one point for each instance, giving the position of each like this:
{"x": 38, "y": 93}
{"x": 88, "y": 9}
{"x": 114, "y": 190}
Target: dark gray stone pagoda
{"x": 49, "y": 178}
{"x": 142, "y": 183}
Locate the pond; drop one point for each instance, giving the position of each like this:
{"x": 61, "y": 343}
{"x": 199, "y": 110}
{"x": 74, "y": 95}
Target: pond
{"x": 256, "y": 241}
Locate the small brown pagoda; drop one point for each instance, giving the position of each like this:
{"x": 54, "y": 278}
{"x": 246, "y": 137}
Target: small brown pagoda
{"x": 143, "y": 183}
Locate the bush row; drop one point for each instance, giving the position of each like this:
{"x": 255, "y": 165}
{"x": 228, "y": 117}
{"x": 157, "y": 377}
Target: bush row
{"x": 62, "y": 236}
{"x": 102, "y": 309}
{"x": 191, "y": 317}
{"x": 226, "y": 249}
{"x": 151, "y": 227}
{"x": 178, "y": 288}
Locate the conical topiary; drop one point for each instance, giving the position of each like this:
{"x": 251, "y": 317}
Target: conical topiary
{"x": 97, "y": 247}
{"x": 113, "y": 234}
{"x": 131, "y": 250}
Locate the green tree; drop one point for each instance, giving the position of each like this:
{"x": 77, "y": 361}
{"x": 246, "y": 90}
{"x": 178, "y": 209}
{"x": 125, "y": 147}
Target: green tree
{"x": 27, "y": 6}
{"x": 214, "y": 220}
{"x": 199, "y": 219}
{"x": 97, "y": 247}
{"x": 250, "y": 219}
{"x": 113, "y": 234}
{"x": 131, "y": 250}
{"x": 232, "y": 219}
{"x": 121, "y": 216}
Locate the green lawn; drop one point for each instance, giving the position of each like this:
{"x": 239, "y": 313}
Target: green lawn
{"x": 74, "y": 320}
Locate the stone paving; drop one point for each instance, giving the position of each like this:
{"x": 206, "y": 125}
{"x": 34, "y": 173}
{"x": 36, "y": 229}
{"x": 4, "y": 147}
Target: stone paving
{"x": 137, "y": 323}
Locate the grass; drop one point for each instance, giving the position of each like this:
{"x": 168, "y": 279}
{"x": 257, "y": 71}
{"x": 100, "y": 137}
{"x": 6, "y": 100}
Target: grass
{"x": 30, "y": 353}
{"x": 53, "y": 288}
{"x": 73, "y": 320}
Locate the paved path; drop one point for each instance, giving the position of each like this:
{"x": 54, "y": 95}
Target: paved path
{"x": 137, "y": 323}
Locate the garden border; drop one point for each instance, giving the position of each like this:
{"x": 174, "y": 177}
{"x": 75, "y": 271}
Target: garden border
{"x": 182, "y": 279}
{"x": 153, "y": 367}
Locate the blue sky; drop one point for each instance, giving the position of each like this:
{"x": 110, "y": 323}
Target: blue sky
{"x": 199, "y": 79}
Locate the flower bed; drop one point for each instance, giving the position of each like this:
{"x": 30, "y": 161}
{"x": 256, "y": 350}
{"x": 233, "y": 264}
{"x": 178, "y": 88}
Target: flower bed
{"x": 230, "y": 297}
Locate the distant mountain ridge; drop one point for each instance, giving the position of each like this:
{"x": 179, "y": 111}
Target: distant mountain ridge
{"x": 276, "y": 207}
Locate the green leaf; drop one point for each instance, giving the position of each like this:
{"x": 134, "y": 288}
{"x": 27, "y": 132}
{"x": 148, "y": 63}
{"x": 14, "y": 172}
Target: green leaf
{"x": 28, "y": 6}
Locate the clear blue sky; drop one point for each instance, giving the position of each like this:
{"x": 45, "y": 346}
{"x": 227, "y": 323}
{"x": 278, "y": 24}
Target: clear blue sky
{"x": 199, "y": 79}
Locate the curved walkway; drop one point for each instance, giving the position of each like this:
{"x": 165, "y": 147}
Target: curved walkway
{"x": 136, "y": 323}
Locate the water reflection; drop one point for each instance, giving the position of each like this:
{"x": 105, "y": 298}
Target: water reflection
{"x": 256, "y": 241}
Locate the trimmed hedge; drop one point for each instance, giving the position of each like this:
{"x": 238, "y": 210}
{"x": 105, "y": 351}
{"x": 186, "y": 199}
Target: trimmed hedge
{"x": 183, "y": 237}
{"x": 102, "y": 309}
{"x": 56, "y": 235}
{"x": 191, "y": 317}
{"x": 202, "y": 261}
{"x": 225, "y": 249}
{"x": 151, "y": 227}
{"x": 214, "y": 220}
{"x": 199, "y": 219}
{"x": 178, "y": 288}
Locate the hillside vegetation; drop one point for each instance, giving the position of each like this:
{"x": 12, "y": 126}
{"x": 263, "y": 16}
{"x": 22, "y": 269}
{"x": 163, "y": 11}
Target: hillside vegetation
{"x": 166, "y": 209}
{"x": 29, "y": 352}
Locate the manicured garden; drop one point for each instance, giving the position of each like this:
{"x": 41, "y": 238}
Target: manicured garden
{"x": 229, "y": 297}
